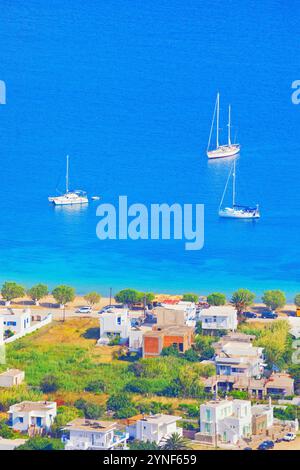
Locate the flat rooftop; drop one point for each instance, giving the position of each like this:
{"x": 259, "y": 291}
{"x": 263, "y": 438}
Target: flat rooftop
{"x": 26, "y": 406}
{"x": 11, "y": 373}
{"x": 279, "y": 380}
{"x": 14, "y": 313}
{"x": 222, "y": 311}
{"x": 91, "y": 425}
{"x": 170, "y": 331}
{"x": 161, "y": 419}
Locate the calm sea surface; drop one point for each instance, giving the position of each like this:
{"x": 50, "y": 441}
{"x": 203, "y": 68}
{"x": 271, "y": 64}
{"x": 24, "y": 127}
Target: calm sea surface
{"x": 127, "y": 89}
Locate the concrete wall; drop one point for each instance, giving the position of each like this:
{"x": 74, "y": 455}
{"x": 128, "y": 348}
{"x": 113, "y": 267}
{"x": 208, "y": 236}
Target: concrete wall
{"x": 31, "y": 329}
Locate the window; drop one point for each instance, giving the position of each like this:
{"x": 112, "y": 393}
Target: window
{"x": 21, "y": 419}
{"x": 207, "y": 428}
{"x": 118, "y": 320}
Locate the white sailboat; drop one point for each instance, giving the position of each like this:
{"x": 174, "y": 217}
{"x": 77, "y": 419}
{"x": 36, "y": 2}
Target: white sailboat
{"x": 226, "y": 150}
{"x": 70, "y": 197}
{"x": 236, "y": 211}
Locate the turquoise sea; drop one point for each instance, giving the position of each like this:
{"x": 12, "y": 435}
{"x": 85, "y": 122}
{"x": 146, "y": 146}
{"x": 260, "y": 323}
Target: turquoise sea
{"x": 127, "y": 89}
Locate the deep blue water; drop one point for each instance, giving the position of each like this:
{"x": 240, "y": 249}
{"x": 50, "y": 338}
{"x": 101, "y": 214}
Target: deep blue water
{"x": 127, "y": 88}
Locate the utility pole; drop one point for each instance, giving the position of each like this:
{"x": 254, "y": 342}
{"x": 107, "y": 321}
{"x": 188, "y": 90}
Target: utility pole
{"x": 110, "y": 295}
{"x": 145, "y": 306}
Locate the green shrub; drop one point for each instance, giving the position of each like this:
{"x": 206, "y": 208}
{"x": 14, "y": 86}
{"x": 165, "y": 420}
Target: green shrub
{"x": 42, "y": 443}
{"x": 49, "y": 384}
{"x": 146, "y": 386}
{"x": 90, "y": 410}
{"x": 96, "y": 386}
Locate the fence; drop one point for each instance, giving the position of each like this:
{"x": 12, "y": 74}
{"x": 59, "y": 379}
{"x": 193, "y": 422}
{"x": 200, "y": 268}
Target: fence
{"x": 45, "y": 321}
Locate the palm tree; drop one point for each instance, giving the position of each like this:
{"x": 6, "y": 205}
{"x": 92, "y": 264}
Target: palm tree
{"x": 174, "y": 442}
{"x": 242, "y": 299}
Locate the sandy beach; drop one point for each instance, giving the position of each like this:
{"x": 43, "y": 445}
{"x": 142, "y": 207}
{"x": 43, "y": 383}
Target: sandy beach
{"x": 49, "y": 302}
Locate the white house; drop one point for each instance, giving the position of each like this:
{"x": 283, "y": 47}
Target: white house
{"x": 225, "y": 421}
{"x": 154, "y": 428}
{"x": 17, "y": 321}
{"x": 218, "y": 318}
{"x": 87, "y": 434}
{"x": 32, "y": 416}
{"x": 114, "y": 322}
{"x": 11, "y": 377}
{"x": 136, "y": 337}
{"x": 240, "y": 359}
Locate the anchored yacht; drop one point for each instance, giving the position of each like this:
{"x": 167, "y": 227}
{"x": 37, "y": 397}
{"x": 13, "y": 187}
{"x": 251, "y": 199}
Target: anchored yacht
{"x": 226, "y": 150}
{"x": 236, "y": 211}
{"x": 70, "y": 197}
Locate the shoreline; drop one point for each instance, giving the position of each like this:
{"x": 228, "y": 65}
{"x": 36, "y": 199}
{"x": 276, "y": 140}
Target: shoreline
{"x": 49, "y": 303}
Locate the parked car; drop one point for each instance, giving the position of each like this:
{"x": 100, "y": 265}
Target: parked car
{"x": 250, "y": 315}
{"x": 290, "y": 436}
{"x": 266, "y": 445}
{"x": 84, "y": 309}
{"x": 270, "y": 315}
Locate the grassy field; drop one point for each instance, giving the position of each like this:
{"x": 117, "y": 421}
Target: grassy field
{"x": 67, "y": 350}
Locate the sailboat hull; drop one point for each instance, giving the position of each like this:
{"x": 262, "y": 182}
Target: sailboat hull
{"x": 70, "y": 199}
{"x": 224, "y": 151}
{"x": 232, "y": 213}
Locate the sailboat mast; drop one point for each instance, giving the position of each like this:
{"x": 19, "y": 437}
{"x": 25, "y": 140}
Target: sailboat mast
{"x": 218, "y": 116}
{"x": 212, "y": 125}
{"x": 67, "y": 175}
{"x": 229, "y": 125}
{"x": 233, "y": 185}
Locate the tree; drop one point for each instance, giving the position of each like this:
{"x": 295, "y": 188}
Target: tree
{"x": 121, "y": 405}
{"x": 198, "y": 328}
{"x": 90, "y": 410}
{"x": 63, "y": 294}
{"x": 12, "y": 290}
{"x": 203, "y": 347}
{"x": 140, "y": 445}
{"x": 128, "y": 296}
{"x": 170, "y": 351}
{"x": 190, "y": 297}
{"x": 92, "y": 298}
{"x": 242, "y": 299}
{"x": 174, "y": 442}
{"x": 275, "y": 341}
{"x": 41, "y": 443}
{"x": 216, "y": 298}
{"x": 191, "y": 355}
{"x": 65, "y": 414}
{"x": 117, "y": 400}
{"x": 149, "y": 297}
{"x": 37, "y": 292}
{"x": 49, "y": 384}
{"x": 5, "y": 431}
{"x": 274, "y": 299}
{"x": 297, "y": 300}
